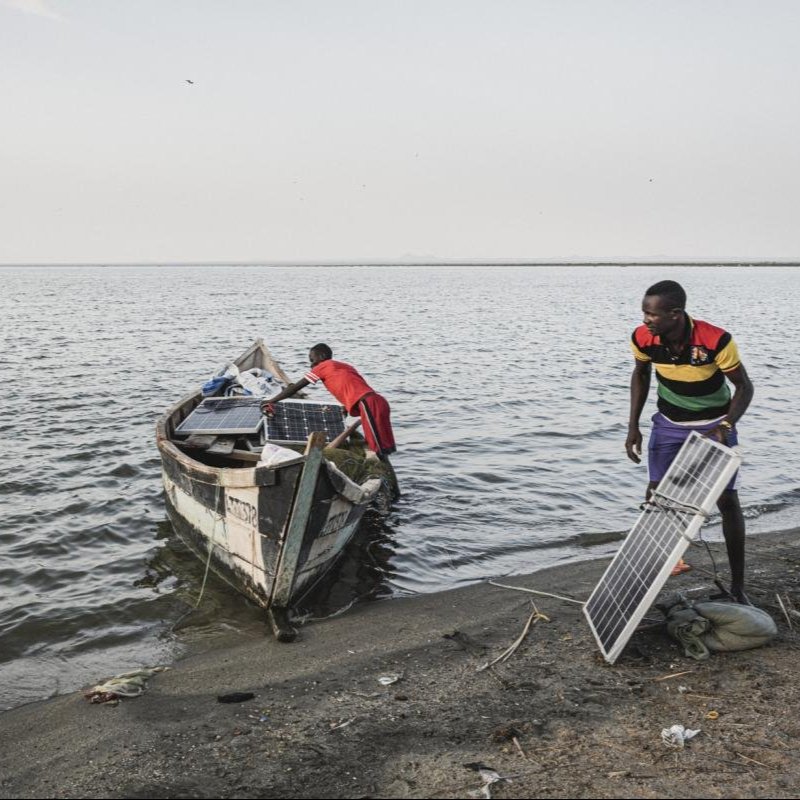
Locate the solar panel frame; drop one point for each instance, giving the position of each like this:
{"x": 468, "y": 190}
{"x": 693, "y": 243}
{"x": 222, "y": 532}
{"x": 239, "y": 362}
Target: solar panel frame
{"x": 657, "y": 540}
{"x": 224, "y": 416}
{"x": 294, "y": 420}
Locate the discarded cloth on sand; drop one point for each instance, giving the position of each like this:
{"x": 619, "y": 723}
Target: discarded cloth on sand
{"x": 128, "y": 684}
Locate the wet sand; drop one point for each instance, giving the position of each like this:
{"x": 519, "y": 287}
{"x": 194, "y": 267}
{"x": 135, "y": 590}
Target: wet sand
{"x": 555, "y": 718}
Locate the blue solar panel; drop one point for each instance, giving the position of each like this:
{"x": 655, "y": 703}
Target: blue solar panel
{"x": 678, "y": 508}
{"x": 295, "y": 420}
{"x": 224, "y": 415}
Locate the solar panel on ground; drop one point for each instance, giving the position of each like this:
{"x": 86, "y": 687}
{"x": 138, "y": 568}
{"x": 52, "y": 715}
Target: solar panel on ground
{"x": 682, "y": 500}
{"x": 224, "y": 415}
{"x": 295, "y": 420}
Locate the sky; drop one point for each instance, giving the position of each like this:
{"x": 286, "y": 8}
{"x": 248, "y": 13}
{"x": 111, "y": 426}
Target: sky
{"x": 398, "y": 130}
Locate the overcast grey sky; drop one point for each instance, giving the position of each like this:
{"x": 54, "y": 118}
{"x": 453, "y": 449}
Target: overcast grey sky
{"x": 394, "y": 129}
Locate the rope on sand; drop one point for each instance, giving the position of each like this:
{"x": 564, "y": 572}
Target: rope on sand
{"x": 543, "y": 594}
{"x": 535, "y": 616}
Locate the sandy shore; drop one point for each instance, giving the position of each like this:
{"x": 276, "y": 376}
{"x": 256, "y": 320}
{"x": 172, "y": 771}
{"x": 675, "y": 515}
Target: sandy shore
{"x": 555, "y": 717}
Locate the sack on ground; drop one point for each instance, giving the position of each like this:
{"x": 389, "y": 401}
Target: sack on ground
{"x": 706, "y": 627}
{"x": 736, "y": 627}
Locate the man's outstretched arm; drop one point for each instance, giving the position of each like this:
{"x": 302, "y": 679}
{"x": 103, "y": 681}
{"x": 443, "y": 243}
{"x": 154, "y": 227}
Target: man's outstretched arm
{"x": 293, "y": 388}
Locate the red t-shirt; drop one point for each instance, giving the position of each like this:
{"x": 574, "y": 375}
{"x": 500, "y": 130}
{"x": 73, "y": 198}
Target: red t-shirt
{"x": 341, "y": 380}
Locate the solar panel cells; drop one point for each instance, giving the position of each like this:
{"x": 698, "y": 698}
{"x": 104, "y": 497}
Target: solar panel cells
{"x": 294, "y": 421}
{"x": 650, "y": 546}
{"x": 661, "y": 534}
{"x": 224, "y": 415}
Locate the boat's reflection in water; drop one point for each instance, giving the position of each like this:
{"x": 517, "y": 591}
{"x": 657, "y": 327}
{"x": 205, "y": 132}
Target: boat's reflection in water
{"x": 363, "y": 573}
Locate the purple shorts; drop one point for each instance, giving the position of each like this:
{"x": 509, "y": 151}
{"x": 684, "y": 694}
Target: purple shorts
{"x": 667, "y": 438}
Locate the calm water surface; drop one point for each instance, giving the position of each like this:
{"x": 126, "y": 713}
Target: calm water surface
{"x": 509, "y": 393}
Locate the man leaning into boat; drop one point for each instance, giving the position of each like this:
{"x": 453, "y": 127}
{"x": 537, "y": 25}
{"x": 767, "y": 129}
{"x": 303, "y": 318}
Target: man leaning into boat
{"x": 351, "y": 390}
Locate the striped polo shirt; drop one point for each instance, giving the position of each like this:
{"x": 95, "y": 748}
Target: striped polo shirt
{"x": 692, "y": 385}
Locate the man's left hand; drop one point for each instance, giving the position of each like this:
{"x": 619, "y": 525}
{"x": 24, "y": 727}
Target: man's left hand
{"x": 720, "y": 434}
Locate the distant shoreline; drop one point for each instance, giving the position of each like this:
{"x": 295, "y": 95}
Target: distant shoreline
{"x": 422, "y": 263}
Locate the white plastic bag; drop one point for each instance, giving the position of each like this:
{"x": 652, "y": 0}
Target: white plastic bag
{"x": 677, "y": 736}
{"x": 258, "y": 382}
{"x": 274, "y": 454}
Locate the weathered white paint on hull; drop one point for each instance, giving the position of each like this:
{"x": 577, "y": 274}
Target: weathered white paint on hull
{"x": 244, "y": 539}
{"x": 327, "y": 547}
{"x": 236, "y": 542}
{"x": 334, "y": 535}
{"x": 328, "y": 551}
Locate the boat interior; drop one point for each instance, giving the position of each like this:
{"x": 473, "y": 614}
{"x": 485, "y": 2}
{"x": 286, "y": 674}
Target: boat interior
{"x": 243, "y": 448}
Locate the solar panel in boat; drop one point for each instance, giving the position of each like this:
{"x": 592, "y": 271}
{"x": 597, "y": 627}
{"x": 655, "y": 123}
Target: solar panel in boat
{"x": 295, "y": 420}
{"x": 685, "y": 496}
{"x": 224, "y": 415}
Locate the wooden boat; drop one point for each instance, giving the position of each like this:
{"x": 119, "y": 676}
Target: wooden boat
{"x": 270, "y": 531}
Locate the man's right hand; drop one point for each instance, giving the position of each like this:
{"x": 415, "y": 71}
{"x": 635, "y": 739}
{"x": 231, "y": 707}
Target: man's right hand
{"x": 633, "y": 445}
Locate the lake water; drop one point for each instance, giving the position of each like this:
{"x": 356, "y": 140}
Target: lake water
{"x": 509, "y": 393}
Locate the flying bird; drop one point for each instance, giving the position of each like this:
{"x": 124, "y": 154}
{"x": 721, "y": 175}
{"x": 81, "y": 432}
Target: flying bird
{"x": 188, "y": 81}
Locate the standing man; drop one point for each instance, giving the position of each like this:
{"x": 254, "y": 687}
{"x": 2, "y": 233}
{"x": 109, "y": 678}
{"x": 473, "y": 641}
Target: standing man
{"x": 694, "y": 361}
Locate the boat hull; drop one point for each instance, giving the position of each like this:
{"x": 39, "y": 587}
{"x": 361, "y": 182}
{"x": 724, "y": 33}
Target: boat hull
{"x": 244, "y": 529}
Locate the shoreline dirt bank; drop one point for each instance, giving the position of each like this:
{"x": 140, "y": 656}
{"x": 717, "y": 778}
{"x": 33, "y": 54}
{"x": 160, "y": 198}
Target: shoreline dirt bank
{"x": 555, "y": 717}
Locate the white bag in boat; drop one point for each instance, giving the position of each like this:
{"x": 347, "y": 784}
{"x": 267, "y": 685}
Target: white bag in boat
{"x": 274, "y": 454}
{"x": 258, "y": 382}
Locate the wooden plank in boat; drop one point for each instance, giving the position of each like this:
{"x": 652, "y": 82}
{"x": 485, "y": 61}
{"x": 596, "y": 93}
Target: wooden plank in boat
{"x": 284, "y": 579}
{"x": 224, "y": 446}
{"x": 214, "y": 445}
{"x": 245, "y": 455}
{"x": 198, "y": 441}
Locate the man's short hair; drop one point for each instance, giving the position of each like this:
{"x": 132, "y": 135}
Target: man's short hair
{"x": 322, "y": 350}
{"x": 671, "y": 291}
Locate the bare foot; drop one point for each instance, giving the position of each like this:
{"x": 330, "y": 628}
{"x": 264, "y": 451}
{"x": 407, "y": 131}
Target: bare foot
{"x": 680, "y": 568}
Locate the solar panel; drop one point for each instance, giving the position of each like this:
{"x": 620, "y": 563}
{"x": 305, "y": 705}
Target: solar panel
{"x": 685, "y": 496}
{"x": 220, "y": 415}
{"x": 294, "y": 420}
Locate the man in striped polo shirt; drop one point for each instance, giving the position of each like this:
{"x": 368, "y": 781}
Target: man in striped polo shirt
{"x": 694, "y": 361}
